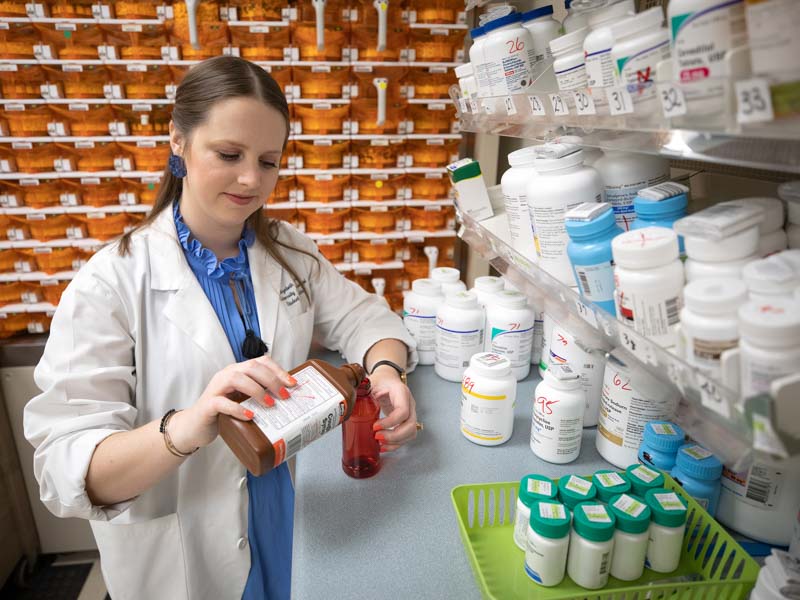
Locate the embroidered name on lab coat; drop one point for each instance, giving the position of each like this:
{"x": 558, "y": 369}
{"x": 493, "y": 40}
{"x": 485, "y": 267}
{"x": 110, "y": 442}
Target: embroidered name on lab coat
{"x": 290, "y": 293}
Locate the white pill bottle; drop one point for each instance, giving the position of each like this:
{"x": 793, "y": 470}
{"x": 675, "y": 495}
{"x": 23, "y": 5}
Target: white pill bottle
{"x": 557, "y": 425}
{"x": 514, "y": 184}
{"x": 488, "y": 392}
{"x": 459, "y": 334}
{"x": 509, "y": 330}
{"x": 419, "y": 316}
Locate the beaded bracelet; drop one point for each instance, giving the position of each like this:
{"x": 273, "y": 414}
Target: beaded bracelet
{"x": 168, "y": 440}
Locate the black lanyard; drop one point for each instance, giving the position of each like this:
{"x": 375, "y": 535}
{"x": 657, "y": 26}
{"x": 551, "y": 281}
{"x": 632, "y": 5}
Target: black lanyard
{"x": 252, "y": 346}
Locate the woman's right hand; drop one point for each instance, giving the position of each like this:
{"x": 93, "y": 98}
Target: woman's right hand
{"x": 260, "y": 378}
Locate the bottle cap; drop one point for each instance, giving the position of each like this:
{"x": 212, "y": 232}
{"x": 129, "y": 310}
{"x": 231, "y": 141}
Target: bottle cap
{"x": 488, "y": 283}
{"x": 790, "y": 257}
{"x": 593, "y": 521}
{"x": 610, "y": 13}
{"x": 720, "y": 221}
{"x": 426, "y": 287}
{"x": 773, "y": 324}
{"x": 663, "y": 436}
{"x": 462, "y": 299}
{"x": 789, "y": 192}
{"x": 557, "y": 156}
{"x": 697, "y": 462}
{"x": 717, "y": 296}
{"x": 661, "y": 199}
{"x": 644, "y": 478}
{"x": 588, "y": 219}
{"x": 610, "y": 483}
{"x": 533, "y": 488}
{"x": 476, "y": 32}
{"x": 573, "y": 489}
{"x": 645, "y": 248}
{"x": 569, "y": 41}
{"x": 510, "y": 299}
{"x": 633, "y": 515}
{"x": 770, "y": 277}
{"x": 550, "y": 519}
{"x": 490, "y": 364}
{"x": 668, "y": 508}
{"x": 651, "y": 18}
{"x": 502, "y": 22}
{"x": 523, "y": 157}
{"x": 465, "y": 70}
{"x": 445, "y": 274}
{"x": 774, "y": 216}
{"x": 537, "y": 13}
{"x": 562, "y": 377}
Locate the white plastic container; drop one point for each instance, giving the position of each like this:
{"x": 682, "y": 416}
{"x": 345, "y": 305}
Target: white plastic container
{"x": 514, "y": 184}
{"x": 507, "y": 53}
{"x": 702, "y": 34}
{"x": 450, "y": 280}
{"x": 630, "y": 400}
{"x": 488, "y": 393}
{"x": 532, "y": 489}
{"x": 543, "y": 29}
{"x": 591, "y": 545}
{"x": 486, "y": 287}
{"x": 509, "y": 330}
{"x": 557, "y": 424}
{"x": 568, "y": 63}
{"x": 547, "y": 332}
{"x": 772, "y": 237}
{"x": 467, "y": 81}
{"x": 666, "y": 530}
{"x": 624, "y": 174}
{"x": 701, "y": 270}
{"x": 649, "y": 282}
{"x": 419, "y": 316}
{"x": 600, "y": 69}
{"x": 774, "y": 45}
{"x": 563, "y": 183}
{"x": 478, "y": 63}
{"x": 547, "y": 543}
{"x": 459, "y": 334}
{"x": 770, "y": 278}
{"x": 640, "y": 43}
{"x": 789, "y": 192}
{"x": 590, "y": 155}
{"x": 709, "y": 322}
{"x": 631, "y": 537}
{"x": 578, "y": 16}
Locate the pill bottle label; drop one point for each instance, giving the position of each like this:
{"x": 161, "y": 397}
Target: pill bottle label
{"x": 758, "y": 375}
{"x": 537, "y": 486}
{"x": 578, "y": 485}
{"x": 621, "y": 197}
{"x": 555, "y": 431}
{"x": 596, "y": 514}
{"x": 759, "y": 488}
{"x": 596, "y": 281}
{"x": 551, "y": 511}
{"x": 638, "y": 72}
{"x": 772, "y": 29}
{"x": 664, "y": 429}
{"x": 455, "y": 348}
{"x": 701, "y": 41}
{"x": 609, "y": 479}
{"x": 514, "y": 344}
{"x": 697, "y": 452}
{"x": 604, "y": 563}
{"x": 423, "y": 329}
{"x": 600, "y": 71}
{"x": 550, "y": 234}
{"x": 483, "y": 417}
{"x": 518, "y": 217}
{"x": 571, "y": 79}
{"x": 629, "y": 506}
{"x": 706, "y": 353}
{"x": 651, "y": 314}
{"x": 645, "y": 474}
{"x": 669, "y": 501}
{"x": 510, "y": 75}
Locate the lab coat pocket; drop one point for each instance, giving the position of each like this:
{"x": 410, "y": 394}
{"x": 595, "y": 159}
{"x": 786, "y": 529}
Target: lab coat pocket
{"x": 151, "y": 548}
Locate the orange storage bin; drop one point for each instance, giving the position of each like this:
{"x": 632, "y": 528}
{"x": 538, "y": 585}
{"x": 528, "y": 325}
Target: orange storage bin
{"x": 54, "y": 227}
{"x": 322, "y": 154}
{"x": 87, "y": 123}
{"x": 29, "y": 122}
{"x": 74, "y": 9}
{"x": 396, "y": 280}
{"x": 18, "y": 40}
{"x": 80, "y": 44}
{"x": 365, "y": 113}
{"x": 367, "y": 14}
{"x": 143, "y": 85}
{"x": 87, "y": 83}
{"x": 48, "y": 193}
{"x": 378, "y": 219}
{"x": 436, "y": 45}
{"x": 429, "y": 186}
{"x": 145, "y": 122}
{"x": 190, "y": 53}
{"x": 379, "y": 187}
{"x": 15, "y": 323}
{"x": 208, "y": 10}
{"x": 365, "y": 76}
{"x": 323, "y": 188}
{"x": 13, "y": 8}
{"x": 132, "y": 191}
{"x": 24, "y": 83}
{"x": 38, "y": 322}
{"x": 286, "y": 183}
{"x": 317, "y": 120}
{"x": 14, "y": 228}
{"x": 264, "y": 10}
{"x": 336, "y": 251}
{"x": 210, "y": 32}
{"x": 55, "y": 260}
{"x": 416, "y": 251}
{"x": 103, "y": 193}
{"x": 376, "y": 154}
{"x": 148, "y": 157}
{"x": 289, "y": 215}
{"x": 431, "y": 218}
{"x": 16, "y": 261}
{"x": 99, "y": 156}
{"x": 432, "y": 152}
{"x": 46, "y": 157}
{"x": 365, "y": 41}
{"x": 12, "y": 292}
{"x": 255, "y": 45}
{"x": 8, "y": 160}
{"x": 51, "y": 290}
{"x": 427, "y": 85}
{"x": 438, "y": 11}
{"x": 322, "y": 81}
{"x": 138, "y": 45}
{"x": 11, "y": 194}
{"x": 304, "y": 38}
{"x": 110, "y": 225}
{"x": 377, "y": 251}
{"x": 146, "y": 9}
{"x": 432, "y": 120}
{"x": 324, "y": 220}
{"x": 281, "y": 75}
{"x": 417, "y": 270}
{"x": 334, "y": 12}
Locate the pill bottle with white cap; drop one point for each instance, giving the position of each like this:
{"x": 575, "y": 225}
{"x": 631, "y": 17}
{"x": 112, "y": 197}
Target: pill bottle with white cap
{"x": 557, "y": 424}
{"x": 479, "y": 38}
{"x": 419, "y": 316}
{"x": 600, "y": 69}
{"x": 450, "y": 280}
{"x": 467, "y": 82}
{"x": 649, "y": 282}
{"x": 771, "y": 235}
{"x": 488, "y": 393}
{"x": 509, "y": 330}
{"x": 514, "y": 184}
{"x": 543, "y": 29}
{"x": 568, "y": 63}
{"x": 789, "y": 192}
{"x": 459, "y": 334}
{"x": 770, "y": 278}
{"x": 487, "y": 286}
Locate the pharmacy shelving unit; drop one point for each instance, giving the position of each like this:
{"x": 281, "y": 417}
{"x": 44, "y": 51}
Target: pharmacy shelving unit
{"x": 740, "y": 134}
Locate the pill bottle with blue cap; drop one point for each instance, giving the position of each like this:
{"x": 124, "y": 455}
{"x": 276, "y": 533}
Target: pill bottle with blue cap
{"x": 631, "y": 536}
{"x": 699, "y": 471}
{"x": 547, "y": 542}
{"x": 666, "y": 530}
{"x": 660, "y": 444}
{"x": 644, "y": 478}
{"x": 591, "y": 545}
{"x": 661, "y": 205}
{"x": 532, "y": 488}
{"x": 609, "y": 484}
{"x": 591, "y": 226}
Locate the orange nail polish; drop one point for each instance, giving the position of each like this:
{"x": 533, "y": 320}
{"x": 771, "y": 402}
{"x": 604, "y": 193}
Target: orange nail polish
{"x": 269, "y": 400}
{"x": 380, "y": 437}
{"x": 284, "y": 393}
{"x": 382, "y": 450}
{"x": 249, "y": 414}
{"x": 292, "y": 380}
{"x": 376, "y": 427}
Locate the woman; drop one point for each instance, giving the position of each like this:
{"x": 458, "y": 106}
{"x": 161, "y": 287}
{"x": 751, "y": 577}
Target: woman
{"x": 176, "y": 315}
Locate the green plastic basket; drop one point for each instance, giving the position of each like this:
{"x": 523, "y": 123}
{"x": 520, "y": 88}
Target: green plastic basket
{"x": 713, "y": 565}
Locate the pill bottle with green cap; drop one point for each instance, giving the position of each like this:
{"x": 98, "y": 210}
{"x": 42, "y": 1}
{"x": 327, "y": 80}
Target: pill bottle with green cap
{"x": 532, "y": 488}
{"x": 609, "y": 484}
{"x": 666, "y": 530}
{"x": 698, "y": 472}
{"x": 591, "y": 545}
{"x": 547, "y": 542}
{"x": 630, "y": 538}
{"x": 643, "y": 478}
{"x": 660, "y": 444}
{"x": 573, "y": 489}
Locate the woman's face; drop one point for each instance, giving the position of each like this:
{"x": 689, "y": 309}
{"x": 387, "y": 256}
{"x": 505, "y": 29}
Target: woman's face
{"x": 231, "y": 160}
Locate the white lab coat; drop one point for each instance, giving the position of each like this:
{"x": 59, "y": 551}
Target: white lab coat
{"x": 135, "y": 336}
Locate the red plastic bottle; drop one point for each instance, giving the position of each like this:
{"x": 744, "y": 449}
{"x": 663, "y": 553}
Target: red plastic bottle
{"x": 361, "y": 457}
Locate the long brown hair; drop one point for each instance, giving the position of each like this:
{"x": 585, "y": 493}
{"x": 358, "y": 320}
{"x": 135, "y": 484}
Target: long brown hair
{"x": 205, "y": 84}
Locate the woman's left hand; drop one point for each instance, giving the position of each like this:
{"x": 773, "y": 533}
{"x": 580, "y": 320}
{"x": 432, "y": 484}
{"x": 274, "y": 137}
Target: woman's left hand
{"x": 399, "y": 426}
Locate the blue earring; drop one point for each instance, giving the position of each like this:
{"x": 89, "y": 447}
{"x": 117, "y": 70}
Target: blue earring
{"x": 176, "y": 166}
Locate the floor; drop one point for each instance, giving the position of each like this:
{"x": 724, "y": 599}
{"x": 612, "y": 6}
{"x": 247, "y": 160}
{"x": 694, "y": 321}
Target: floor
{"x": 74, "y": 576}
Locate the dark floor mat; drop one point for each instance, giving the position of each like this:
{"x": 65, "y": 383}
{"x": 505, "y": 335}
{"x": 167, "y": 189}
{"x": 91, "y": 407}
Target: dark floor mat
{"x": 49, "y": 582}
